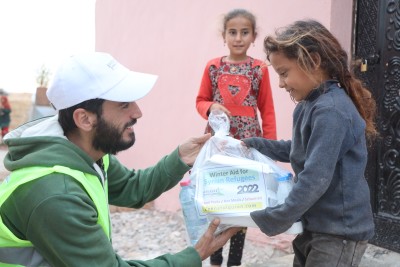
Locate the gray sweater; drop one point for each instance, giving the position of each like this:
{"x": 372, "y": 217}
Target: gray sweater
{"x": 328, "y": 155}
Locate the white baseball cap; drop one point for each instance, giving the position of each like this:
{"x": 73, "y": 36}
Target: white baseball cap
{"x": 96, "y": 75}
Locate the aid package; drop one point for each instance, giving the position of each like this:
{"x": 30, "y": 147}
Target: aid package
{"x": 232, "y": 180}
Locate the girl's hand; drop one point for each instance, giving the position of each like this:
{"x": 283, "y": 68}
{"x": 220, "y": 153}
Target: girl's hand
{"x": 217, "y": 106}
{"x": 259, "y": 143}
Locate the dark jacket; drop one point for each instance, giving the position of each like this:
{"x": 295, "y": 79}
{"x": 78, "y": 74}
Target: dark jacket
{"x": 328, "y": 154}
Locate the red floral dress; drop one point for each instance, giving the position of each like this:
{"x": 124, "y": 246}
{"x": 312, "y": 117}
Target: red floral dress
{"x": 244, "y": 89}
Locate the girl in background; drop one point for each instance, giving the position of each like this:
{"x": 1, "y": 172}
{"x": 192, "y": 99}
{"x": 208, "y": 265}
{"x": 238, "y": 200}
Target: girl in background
{"x": 5, "y": 110}
{"x": 239, "y": 86}
{"x": 332, "y": 122}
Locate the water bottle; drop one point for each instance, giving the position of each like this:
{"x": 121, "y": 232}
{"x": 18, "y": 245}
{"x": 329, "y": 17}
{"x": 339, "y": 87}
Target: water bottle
{"x": 284, "y": 187}
{"x": 196, "y": 224}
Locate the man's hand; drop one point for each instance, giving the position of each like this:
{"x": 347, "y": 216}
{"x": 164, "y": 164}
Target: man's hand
{"x": 209, "y": 242}
{"x": 189, "y": 150}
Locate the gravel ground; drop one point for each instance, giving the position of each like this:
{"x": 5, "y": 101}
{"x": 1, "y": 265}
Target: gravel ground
{"x": 147, "y": 233}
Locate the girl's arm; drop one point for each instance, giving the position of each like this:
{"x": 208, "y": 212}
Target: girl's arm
{"x": 330, "y": 137}
{"x": 265, "y": 105}
{"x": 204, "y": 98}
{"x": 276, "y": 150}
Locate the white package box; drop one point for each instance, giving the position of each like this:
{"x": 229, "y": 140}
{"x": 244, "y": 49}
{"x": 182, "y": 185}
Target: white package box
{"x": 230, "y": 188}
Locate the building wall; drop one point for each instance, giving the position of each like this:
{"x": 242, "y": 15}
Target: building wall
{"x": 175, "y": 39}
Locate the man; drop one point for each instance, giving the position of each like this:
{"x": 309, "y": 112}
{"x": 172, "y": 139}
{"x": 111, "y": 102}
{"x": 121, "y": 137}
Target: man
{"x": 54, "y": 204}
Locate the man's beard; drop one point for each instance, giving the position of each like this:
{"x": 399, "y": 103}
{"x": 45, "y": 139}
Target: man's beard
{"x": 109, "y": 139}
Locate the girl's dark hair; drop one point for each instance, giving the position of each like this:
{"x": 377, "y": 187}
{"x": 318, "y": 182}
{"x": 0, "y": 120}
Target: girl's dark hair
{"x": 239, "y": 13}
{"x": 65, "y": 116}
{"x": 306, "y": 39}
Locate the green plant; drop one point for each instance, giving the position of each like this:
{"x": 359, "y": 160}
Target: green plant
{"x": 43, "y": 76}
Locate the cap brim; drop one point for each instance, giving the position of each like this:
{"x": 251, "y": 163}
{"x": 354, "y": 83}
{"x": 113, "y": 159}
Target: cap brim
{"x": 133, "y": 87}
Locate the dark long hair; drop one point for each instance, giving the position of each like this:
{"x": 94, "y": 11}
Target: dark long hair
{"x": 65, "y": 116}
{"x": 239, "y": 13}
{"x": 304, "y": 39}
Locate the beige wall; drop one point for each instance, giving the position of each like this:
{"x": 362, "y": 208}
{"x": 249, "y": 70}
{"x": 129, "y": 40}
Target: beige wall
{"x": 341, "y": 22}
{"x": 175, "y": 39}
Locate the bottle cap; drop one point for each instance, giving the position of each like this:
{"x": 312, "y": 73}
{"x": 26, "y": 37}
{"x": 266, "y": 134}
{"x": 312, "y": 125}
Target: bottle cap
{"x": 185, "y": 182}
{"x": 285, "y": 177}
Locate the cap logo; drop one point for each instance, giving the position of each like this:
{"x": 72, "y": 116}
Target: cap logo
{"x": 112, "y": 64}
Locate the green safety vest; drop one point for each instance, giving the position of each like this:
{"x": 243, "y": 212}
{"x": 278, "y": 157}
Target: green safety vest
{"x": 18, "y": 252}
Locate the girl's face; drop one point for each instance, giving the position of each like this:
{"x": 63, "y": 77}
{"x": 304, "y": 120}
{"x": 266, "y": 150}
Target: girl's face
{"x": 238, "y": 36}
{"x": 295, "y": 80}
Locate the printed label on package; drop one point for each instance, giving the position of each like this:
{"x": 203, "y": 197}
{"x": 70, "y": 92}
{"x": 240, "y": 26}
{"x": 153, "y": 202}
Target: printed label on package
{"x": 236, "y": 189}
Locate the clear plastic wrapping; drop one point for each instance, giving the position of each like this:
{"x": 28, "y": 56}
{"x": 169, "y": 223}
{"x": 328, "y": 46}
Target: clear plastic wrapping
{"x": 233, "y": 180}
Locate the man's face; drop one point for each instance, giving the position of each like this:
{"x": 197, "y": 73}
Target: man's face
{"x": 114, "y": 129}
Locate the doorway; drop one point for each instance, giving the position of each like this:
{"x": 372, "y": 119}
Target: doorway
{"x": 377, "y": 48}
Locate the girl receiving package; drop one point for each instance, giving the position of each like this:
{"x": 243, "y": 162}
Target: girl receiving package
{"x": 233, "y": 180}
